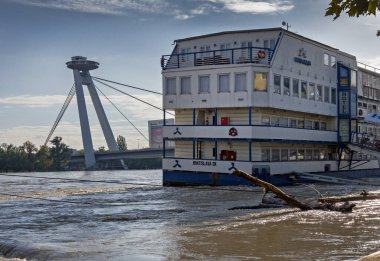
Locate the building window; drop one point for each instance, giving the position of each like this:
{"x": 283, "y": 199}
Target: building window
{"x": 265, "y": 154}
{"x": 275, "y": 155}
{"x": 304, "y": 90}
{"x": 223, "y": 83}
{"x": 277, "y": 84}
{"x": 240, "y": 82}
{"x": 286, "y": 90}
{"x": 326, "y": 59}
{"x": 332, "y": 61}
{"x": 204, "y": 84}
{"x": 311, "y": 91}
{"x": 326, "y": 94}
{"x": 185, "y": 85}
{"x": 284, "y": 155}
{"x": 261, "y": 82}
{"x": 170, "y": 86}
{"x": 318, "y": 93}
{"x": 333, "y": 95}
{"x": 296, "y": 92}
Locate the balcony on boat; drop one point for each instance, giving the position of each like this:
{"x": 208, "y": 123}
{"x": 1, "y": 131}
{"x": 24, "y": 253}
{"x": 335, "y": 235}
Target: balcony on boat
{"x": 254, "y": 132}
{"x": 246, "y": 55}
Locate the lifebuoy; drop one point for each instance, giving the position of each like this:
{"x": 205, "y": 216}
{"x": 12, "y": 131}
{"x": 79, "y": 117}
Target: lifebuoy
{"x": 261, "y": 54}
{"x": 233, "y": 132}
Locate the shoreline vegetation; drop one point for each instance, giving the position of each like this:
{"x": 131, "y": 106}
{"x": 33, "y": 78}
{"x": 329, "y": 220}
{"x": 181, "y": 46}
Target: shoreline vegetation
{"x": 56, "y": 157}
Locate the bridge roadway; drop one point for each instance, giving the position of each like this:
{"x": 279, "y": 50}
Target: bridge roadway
{"x": 129, "y": 154}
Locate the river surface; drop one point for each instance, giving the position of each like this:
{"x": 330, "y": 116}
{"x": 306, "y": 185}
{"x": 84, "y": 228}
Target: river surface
{"x": 80, "y": 220}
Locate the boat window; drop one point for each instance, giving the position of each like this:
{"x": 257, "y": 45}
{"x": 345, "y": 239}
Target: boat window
{"x": 286, "y": 86}
{"x": 326, "y": 59}
{"x": 301, "y": 155}
{"x": 284, "y": 154}
{"x": 204, "y": 84}
{"x": 304, "y": 90}
{"x": 316, "y": 125}
{"x": 308, "y": 124}
{"x": 326, "y": 94}
{"x": 332, "y": 61}
{"x": 224, "y": 83}
{"x": 333, "y": 95}
{"x": 265, "y": 154}
{"x": 323, "y": 125}
{"x": 275, "y": 155}
{"x": 283, "y": 122}
{"x": 265, "y": 120}
{"x": 277, "y": 84}
{"x": 240, "y": 82}
{"x": 170, "y": 86}
{"x": 292, "y": 154}
{"x": 275, "y": 121}
{"x": 316, "y": 155}
{"x": 311, "y": 91}
{"x": 323, "y": 154}
{"x": 261, "y": 82}
{"x": 309, "y": 154}
{"x": 293, "y": 123}
{"x": 301, "y": 124}
{"x": 318, "y": 93}
{"x": 186, "y": 85}
{"x": 296, "y": 92}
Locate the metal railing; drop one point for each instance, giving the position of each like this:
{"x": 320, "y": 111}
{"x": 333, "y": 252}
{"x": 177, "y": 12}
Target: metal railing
{"x": 255, "y": 55}
{"x": 366, "y": 140}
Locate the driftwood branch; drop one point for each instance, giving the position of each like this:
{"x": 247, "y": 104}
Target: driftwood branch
{"x": 363, "y": 196}
{"x": 292, "y": 201}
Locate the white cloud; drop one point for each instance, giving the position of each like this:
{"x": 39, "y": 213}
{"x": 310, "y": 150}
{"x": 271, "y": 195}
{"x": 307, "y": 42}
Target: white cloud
{"x": 33, "y": 101}
{"x": 255, "y": 7}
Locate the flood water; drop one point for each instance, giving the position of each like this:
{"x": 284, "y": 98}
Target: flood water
{"x": 78, "y": 220}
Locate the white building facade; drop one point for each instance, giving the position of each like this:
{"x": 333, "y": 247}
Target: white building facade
{"x": 262, "y": 101}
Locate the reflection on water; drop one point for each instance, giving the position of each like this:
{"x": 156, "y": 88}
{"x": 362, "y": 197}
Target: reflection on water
{"x": 131, "y": 222}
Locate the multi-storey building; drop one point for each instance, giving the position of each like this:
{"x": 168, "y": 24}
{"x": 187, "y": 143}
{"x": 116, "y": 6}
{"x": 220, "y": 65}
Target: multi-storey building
{"x": 269, "y": 102}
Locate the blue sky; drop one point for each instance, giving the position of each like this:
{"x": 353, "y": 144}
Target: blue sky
{"x": 127, "y": 38}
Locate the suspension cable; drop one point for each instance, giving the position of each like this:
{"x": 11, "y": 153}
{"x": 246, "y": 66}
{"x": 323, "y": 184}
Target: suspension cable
{"x": 126, "y": 85}
{"x": 109, "y": 86}
{"x": 63, "y": 109}
{"x": 122, "y": 114}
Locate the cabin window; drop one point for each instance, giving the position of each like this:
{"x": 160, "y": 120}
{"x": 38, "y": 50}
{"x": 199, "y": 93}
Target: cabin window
{"x": 275, "y": 121}
{"x": 265, "y": 154}
{"x": 318, "y": 93}
{"x": 332, "y": 61}
{"x": 326, "y": 59}
{"x": 284, "y": 155}
{"x": 240, "y": 82}
{"x": 311, "y": 91}
{"x": 275, "y": 155}
{"x": 323, "y": 155}
{"x": 308, "y": 124}
{"x": 265, "y": 120}
{"x": 261, "y": 82}
{"x": 353, "y": 79}
{"x": 269, "y": 43}
{"x": 223, "y": 83}
{"x": 301, "y": 155}
{"x": 292, "y": 154}
{"x": 284, "y": 122}
{"x": 316, "y": 125}
{"x": 333, "y": 95}
{"x": 296, "y": 92}
{"x": 316, "y": 155}
{"x": 286, "y": 86}
{"x": 205, "y": 51}
{"x": 277, "y": 84}
{"x": 301, "y": 124}
{"x": 204, "y": 84}
{"x": 309, "y": 154}
{"x": 186, "y": 85}
{"x": 323, "y": 126}
{"x": 293, "y": 123}
{"x": 326, "y": 94}
{"x": 185, "y": 55}
{"x": 170, "y": 86}
{"x": 304, "y": 90}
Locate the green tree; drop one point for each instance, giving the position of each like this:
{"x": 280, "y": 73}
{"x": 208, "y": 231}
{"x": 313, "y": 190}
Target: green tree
{"x": 30, "y": 150}
{"x": 121, "y": 143}
{"x": 43, "y": 160}
{"x": 60, "y": 154}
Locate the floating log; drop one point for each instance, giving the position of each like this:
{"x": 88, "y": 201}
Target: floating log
{"x": 363, "y": 196}
{"x": 292, "y": 201}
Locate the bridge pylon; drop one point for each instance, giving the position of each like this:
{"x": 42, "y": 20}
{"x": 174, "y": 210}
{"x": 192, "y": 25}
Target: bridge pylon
{"x": 81, "y": 68}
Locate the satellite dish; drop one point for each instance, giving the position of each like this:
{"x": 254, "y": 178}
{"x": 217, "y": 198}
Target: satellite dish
{"x": 283, "y": 23}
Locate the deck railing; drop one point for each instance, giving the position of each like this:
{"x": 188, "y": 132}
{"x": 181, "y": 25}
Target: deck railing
{"x": 366, "y": 140}
{"x": 256, "y": 55}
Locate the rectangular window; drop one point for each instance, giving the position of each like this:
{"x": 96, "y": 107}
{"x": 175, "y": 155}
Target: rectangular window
{"x": 284, "y": 155}
{"x": 292, "y": 154}
{"x": 240, "y": 82}
{"x": 316, "y": 125}
{"x": 275, "y": 121}
{"x": 170, "y": 86}
{"x": 308, "y": 124}
{"x": 332, "y": 61}
{"x": 316, "y": 155}
{"x": 311, "y": 91}
{"x": 333, "y": 95}
{"x": 223, "y": 83}
{"x": 296, "y": 92}
{"x": 275, "y": 155}
{"x": 318, "y": 93}
{"x": 286, "y": 90}
{"x": 284, "y": 122}
{"x": 293, "y": 123}
{"x": 265, "y": 154}
{"x": 301, "y": 155}
{"x": 261, "y": 82}
{"x": 309, "y": 154}
{"x": 185, "y": 85}
{"x": 265, "y": 120}
{"x": 277, "y": 84}
{"x": 323, "y": 126}
{"x": 304, "y": 90}
{"x": 204, "y": 84}
{"x": 300, "y": 124}
{"x": 326, "y": 94}
{"x": 326, "y": 59}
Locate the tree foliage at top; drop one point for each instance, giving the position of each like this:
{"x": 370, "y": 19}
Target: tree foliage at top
{"x": 353, "y": 7}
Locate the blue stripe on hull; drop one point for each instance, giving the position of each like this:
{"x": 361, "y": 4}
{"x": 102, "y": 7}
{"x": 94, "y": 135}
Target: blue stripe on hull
{"x": 189, "y": 178}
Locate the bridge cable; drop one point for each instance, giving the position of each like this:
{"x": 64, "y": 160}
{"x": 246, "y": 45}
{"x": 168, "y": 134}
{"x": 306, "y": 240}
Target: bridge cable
{"x": 63, "y": 109}
{"x": 122, "y": 114}
{"x": 154, "y": 106}
{"x": 126, "y": 85}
